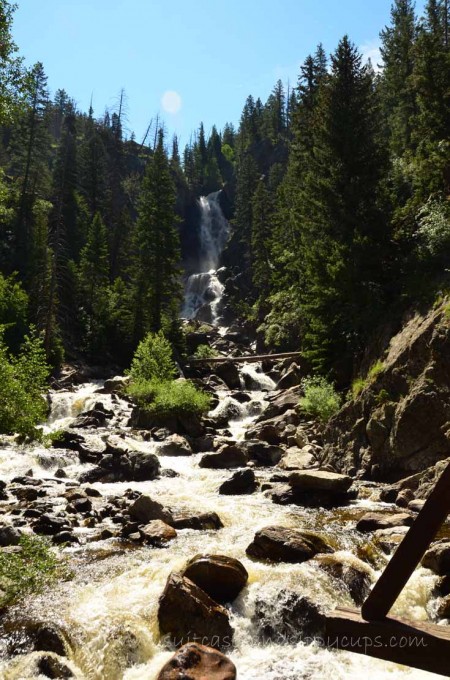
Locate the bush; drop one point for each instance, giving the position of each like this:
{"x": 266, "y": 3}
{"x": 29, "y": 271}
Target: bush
{"x": 361, "y": 383}
{"x": 321, "y": 399}
{"x": 434, "y": 227}
{"x": 170, "y": 397}
{"x": 22, "y": 383}
{"x": 205, "y": 352}
{"x": 153, "y": 359}
{"x": 28, "y": 570}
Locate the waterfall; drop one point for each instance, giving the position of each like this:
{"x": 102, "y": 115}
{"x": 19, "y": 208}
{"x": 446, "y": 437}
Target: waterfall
{"x": 203, "y": 290}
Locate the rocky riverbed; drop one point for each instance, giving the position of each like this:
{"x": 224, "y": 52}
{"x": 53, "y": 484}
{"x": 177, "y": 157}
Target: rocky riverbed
{"x": 223, "y": 533}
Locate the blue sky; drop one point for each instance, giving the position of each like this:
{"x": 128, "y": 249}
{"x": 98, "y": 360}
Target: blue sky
{"x": 210, "y": 54}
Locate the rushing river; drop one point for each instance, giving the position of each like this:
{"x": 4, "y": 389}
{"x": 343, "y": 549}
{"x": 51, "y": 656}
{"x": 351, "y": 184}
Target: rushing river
{"x": 109, "y": 610}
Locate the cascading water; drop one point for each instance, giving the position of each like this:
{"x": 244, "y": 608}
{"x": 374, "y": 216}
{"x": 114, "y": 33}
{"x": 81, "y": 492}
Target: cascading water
{"x": 203, "y": 290}
{"x": 108, "y": 612}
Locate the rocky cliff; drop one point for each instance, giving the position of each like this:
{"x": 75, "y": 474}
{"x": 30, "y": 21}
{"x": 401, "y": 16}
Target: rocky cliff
{"x": 399, "y": 424}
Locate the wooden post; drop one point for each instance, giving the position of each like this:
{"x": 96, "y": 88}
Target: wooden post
{"x": 410, "y": 551}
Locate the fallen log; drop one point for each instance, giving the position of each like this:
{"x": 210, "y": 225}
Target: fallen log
{"x": 251, "y": 358}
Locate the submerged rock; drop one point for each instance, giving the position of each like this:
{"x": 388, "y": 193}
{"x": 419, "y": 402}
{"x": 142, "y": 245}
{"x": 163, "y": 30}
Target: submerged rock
{"x": 186, "y": 612}
{"x": 198, "y": 662}
{"x": 282, "y": 544}
{"x": 221, "y": 577}
{"x": 291, "y": 619}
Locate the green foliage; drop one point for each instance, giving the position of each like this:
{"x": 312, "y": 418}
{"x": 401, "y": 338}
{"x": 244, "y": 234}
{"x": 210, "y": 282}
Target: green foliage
{"x": 375, "y": 370}
{"x": 359, "y": 384}
{"x": 382, "y": 397}
{"x": 29, "y": 570}
{"x": 321, "y": 399}
{"x": 434, "y": 228}
{"x": 165, "y": 397}
{"x": 205, "y": 352}
{"x": 22, "y": 384}
{"x": 13, "y": 311}
{"x": 153, "y": 360}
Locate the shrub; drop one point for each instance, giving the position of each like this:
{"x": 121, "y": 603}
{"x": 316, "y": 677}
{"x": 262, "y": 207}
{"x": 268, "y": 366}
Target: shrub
{"x": 28, "y": 570}
{"x": 153, "y": 359}
{"x": 22, "y": 383}
{"x": 434, "y": 227}
{"x": 205, "y": 352}
{"x": 170, "y": 397}
{"x": 321, "y": 399}
{"x": 361, "y": 383}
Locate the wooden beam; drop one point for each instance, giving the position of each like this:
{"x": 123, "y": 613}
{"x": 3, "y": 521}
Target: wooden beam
{"x": 410, "y": 551}
{"x": 420, "y": 645}
{"x": 245, "y": 359}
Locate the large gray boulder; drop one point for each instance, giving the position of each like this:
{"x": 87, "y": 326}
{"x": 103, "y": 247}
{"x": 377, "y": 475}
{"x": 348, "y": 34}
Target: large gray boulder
{"x": 228, "y": 456}
{"x": 220, "y": 576}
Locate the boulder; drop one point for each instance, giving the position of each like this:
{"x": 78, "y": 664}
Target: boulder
{"x": 283, "y": 544}
{"x": 229, "y": 373}
{"x": 144, "y": 509}
{"x": 205, "y": 521}
{"x": 241, "y": 482}
{"x": 124, "y": 466}
{"x": 175, "y": 445}
{"x": 443, "y": 611}
{"x": 221, "y": 577}
{"x": 228, "y": 456}
{"x": 157, "y": 533}
{"x": 372, "y": 521}
{"x": 437, "y": 558}
{"x": 290, "y": 619}
{"x": 297, "y": 459}
{"x": 198, "y": 662}
{"x": 291, "y": 378}
{"x": 354, "y": 575}
{"x": 9, "y": 535}
{"x": 263, "y": 454}
{"x": 186, "y": 611}
{"x": 51, "y": 666}
{"x": 281, "y": 402}
{"x": 117, "y": 384}
{"x": 320, "y": 480}
{"x": 301, "y": 437}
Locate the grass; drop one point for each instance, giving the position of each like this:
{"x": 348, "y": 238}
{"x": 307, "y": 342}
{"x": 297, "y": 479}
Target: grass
{"x": 359, "y": 384}
{"x": 28, "y": 570}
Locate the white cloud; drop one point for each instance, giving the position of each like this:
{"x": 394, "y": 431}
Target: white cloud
{"x": 171, "y": 101}
{"x": 371, "y": 50}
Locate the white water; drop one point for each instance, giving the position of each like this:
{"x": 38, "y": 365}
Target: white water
{"x": 109, "y": 610}
{"x": 203, "y": 290}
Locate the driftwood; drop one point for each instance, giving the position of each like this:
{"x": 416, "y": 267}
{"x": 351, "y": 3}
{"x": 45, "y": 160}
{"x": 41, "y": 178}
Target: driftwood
{"x": 251, "y": 358}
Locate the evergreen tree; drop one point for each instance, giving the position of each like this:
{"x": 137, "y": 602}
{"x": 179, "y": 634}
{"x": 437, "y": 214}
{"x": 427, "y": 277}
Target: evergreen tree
{"x": 156, "y": 281}
{"x": 344, "y": 224}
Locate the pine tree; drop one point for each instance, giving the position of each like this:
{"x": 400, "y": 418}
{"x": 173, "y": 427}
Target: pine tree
{"x": 344, "y": 233}
{"x": 156, "y": 280}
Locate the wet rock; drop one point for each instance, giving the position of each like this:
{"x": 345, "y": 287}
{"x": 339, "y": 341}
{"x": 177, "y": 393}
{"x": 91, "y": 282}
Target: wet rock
{"x": 9, "y": 535}
{"x": 442, "y": 588}
{"x": 282, "y": 544}
{"x": 354, "y": 575}
{"x": 48, "y": 638}
{"x": 293, "y": 618}
{"x": 242, "y": 482}
{"x": 198, "y": 662}
{"x": 287, "y": 495}
{"x": 229, "y": 409}
{"x": 52, "y": 667}
{"x": 157, "y": 533}
{"x": 206, "y": 521}
{"x": 301, "y": 437}
{"x": 263, "y": 454}
{"x": 416, "y": 505}
{"x": 242, "y": 397}
{"x": 145, "y": 509}
{"x": 60, "y": 473}
{"x": 82, "y": 505}
{"x": 229, "y": 373}
{"x": 186, "y": 611}
{"x": 48, "y": 525}
{"x": 389, "y": 539}
{"x": 175, "y": 445}
{"x": 437, "y": 558}
{"x": 443, "y": 611}
{"x": 319, "y": 480}
{"x": 26, "y": 493}
{"x": 404, "y": 497}
{"x": 64, "y": 537}
{"x": 281, "y": 402}
{"x": 3, "y": 492}
{"x": 291, "y": 378}
{"x": 228, "y": 456}
{"x": 68, "y": 440}
{"x": 132, "y": 466}
{"x": 204, "y": 444}
{"x": 221, "y": 577}
{"x": 372, "y": 521}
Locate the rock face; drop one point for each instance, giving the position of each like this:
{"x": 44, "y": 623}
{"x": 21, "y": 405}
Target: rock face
{"x": 399, "y": 424}
{"x": 187, "y": 612}
{"x": 197, "y": 662}
{"x": 281, "y": 544}
{"x": 222, "y": 578}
